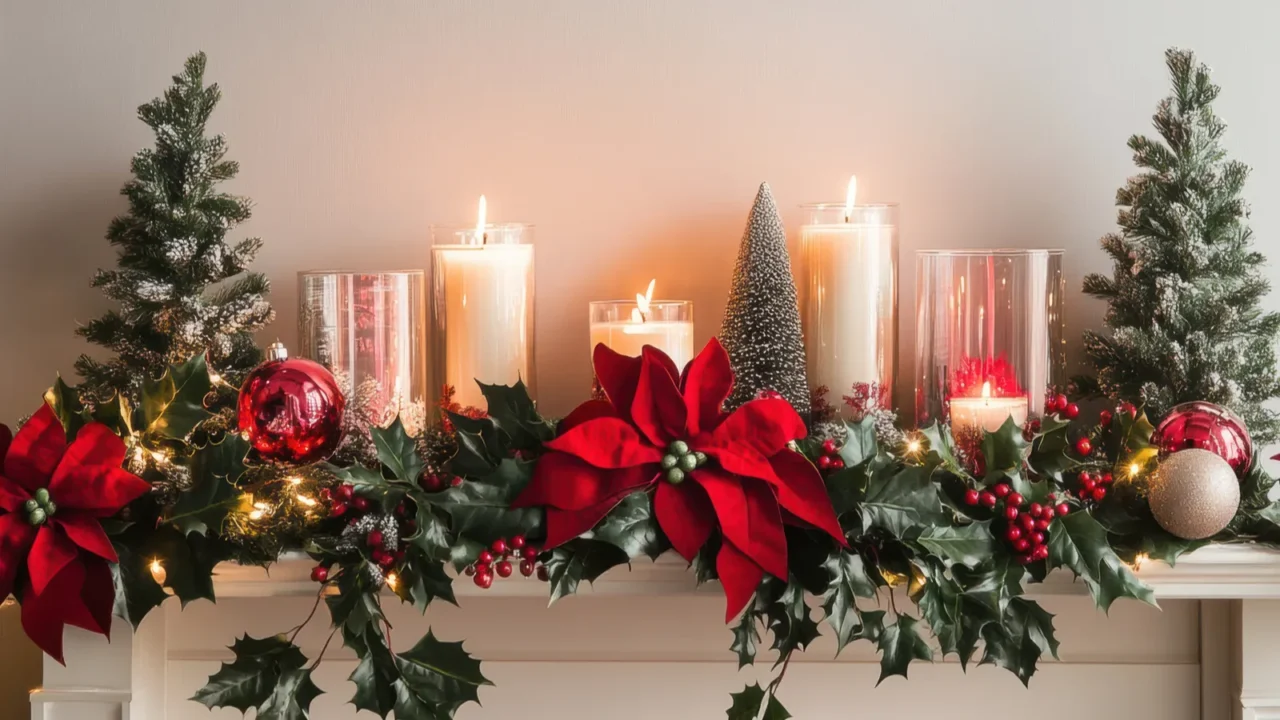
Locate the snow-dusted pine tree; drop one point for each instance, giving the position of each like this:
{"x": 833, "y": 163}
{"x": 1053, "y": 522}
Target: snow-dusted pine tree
{"x": 177, "y": 282}
{"x": 1183, "y": 302}
{"x": 761, "y": 330}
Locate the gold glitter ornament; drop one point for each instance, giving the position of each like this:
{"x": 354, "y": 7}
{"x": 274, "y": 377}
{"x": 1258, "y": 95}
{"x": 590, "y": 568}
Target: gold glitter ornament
{"x": 1194, "y": 494}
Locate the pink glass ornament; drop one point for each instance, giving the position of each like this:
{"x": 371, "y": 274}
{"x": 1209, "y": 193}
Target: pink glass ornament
{"x": 290, "y": 409}
{"x": 1206, "y": 426}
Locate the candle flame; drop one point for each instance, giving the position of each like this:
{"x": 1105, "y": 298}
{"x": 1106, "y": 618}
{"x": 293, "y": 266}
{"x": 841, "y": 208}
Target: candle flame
{"x": 850, "y": 197}
{"x": 156, "y": 568}
{"x": 986, "y": 390}
{"x": 643, "y": 301}
{"x": 484, "y": 208}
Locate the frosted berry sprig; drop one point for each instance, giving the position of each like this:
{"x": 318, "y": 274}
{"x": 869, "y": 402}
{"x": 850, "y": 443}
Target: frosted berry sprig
{"x": 496, "y": 562}
{"x": 1093, "y": 486}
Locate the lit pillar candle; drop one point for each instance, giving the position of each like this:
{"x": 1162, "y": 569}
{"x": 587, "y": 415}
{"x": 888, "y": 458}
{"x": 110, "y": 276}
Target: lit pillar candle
{"x": 626, "y": 326}
{"x": 482, "y": 308}
{"x": 976, "y": 414}
{"x": 849, "y": 306}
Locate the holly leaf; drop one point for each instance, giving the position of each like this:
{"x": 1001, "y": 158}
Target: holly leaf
{"x": 900, "y": 643}
{"x": 115, "y": 414}
{"x": 432, "y": 534}
{"x": 1005, "y": 449}
{"x": 846, "y": 488}
{"x": 514, "y": 413}
{"x": 64, "y": 401}
{"x": 423, "y": 581}
{"x": 251, "y": 679}
{"x": 941, "y": 447}
{"x": 397, "y": 451}
{"x": 632, "y": 528}
{"x": 360, "y": 477}
{"x": 579, "y": 560}
{"x": 481, "y": 506}
{"x": 746, "y": 704}
{"x": 860, "y": 442}
{"x": 188, "y": 560}
{"x": 375, "y": 675}
{"x": 1079, "y": 542}
{"x": 439, "y": 675}
{"x": 774, "y": 710}
{"x": 173, "y": 405}
{"x": 137, "y": 592}
{"x": 790, "y": 621}
{"x": 292, "y": 697}
{"x": 746, "y": 637}
{"x": 1018, "y": 642}
{"x": 215, "y": 468}
{"x": 849, "y": 580}
{"x": 967, "y": 545}
{"x": 1050, "y": 449}
{"x": 902, "y": 502}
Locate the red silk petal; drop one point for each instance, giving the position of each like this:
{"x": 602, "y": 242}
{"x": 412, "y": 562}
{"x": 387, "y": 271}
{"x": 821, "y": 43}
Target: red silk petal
{"x": 606, "y": 442}
{"x": 86, "y": 532}
{"x": 6, "y": 438}
{"x": 98, "y": 596}
{"x": 658, "y": 409}
{"x": 664, "y": 361}
{"x": 16, "y": 538}
{"x": 589, "y": 410}
{"x": 739, "y": 577}
{"x": 35, "y": 451}
{"x": 764, "y": 425}
{"x": 565, "y": 482}
{"x": 51, "y": 553}
{"x": 707, "y": 383}
{"x": 618, "y": 375}
{"x": 12, "y": 495}
{"x": 95, "y": 444}
{"x": 749, "y": 517}
{"x": 565, "y": 525}
{"x": 44, "y": 614}
{"x": 803, "y": 493}
{"x": 100, "y": 490}
{"x": 685, "y": 514}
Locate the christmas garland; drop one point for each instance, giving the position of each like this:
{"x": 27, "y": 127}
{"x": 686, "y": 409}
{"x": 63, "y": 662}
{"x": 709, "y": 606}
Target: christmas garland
{"x": 135, "y": 486}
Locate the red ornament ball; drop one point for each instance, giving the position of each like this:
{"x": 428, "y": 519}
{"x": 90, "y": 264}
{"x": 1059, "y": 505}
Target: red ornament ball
{"x": 290, "y": 409}
{"x": 1206, "y": 426}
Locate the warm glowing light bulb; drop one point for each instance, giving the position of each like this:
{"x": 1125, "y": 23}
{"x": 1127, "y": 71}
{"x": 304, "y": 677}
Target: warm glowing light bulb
{"x": 392, "y": 579}
{"x": 309, "y": 502}
{"x": 295, "y": 480}
{"x": 850, "y": 196}
{"x": 157, "y": 571}
{"x": 913, "y": 446}
{"x": 215, "y": 378}
{"x": 1134, "y": 469}
{"x": 1139, "y": 560}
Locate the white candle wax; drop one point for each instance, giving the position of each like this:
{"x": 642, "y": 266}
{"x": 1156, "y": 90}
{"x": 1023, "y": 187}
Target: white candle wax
{"x": 488, "y": 329}
{"x": 986, "y": 413}
{"x": 675, "y": 338}
{"x": 849, "y": 297}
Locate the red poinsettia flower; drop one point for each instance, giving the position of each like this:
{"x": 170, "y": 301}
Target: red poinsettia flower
{"x": 52, "y": 498}
{"x": 708, "y": 469}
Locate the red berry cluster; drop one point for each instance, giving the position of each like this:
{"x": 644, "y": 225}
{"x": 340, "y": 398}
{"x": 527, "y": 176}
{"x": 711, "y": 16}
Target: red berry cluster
{"x": 1093, "y": 487}
{"x": 1060, "y": 404}
{"x": 1124, "y": 408}
{"x": 1026, "y": 529}
{"x": 830, "y": 460}
{"x": 435, "y": 482}
{"x": 343, "y": 500}
{"x": 497, "y": 561}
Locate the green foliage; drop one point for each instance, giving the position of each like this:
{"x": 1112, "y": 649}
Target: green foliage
{"x": 900, "y": 643}
{"x": 578, "y": 560}
{"x": 849, "y": 580}
{"x": 267, "y": 674}
{"x": 182, "y": 289}
{"x": 215, "y": 468}
{"x": 1184, "y": 300}
{"x": 748, "y": 703}
{"x": 173, "y": 405}
{"x": 1079, "y": 542}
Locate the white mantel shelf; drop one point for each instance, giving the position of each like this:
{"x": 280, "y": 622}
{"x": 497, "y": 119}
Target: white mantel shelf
{"x": 1218, "y": 572}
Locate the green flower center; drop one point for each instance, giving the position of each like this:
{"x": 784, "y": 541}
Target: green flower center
{"x": 40, "y": 507}
{"x": 679, "y": 461}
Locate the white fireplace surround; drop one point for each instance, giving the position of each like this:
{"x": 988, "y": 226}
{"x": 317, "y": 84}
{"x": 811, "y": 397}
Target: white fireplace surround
{"x": 648, "y": 641}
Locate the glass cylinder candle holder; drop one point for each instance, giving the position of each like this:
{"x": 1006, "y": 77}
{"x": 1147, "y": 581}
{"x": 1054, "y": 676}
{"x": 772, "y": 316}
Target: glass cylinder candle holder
{"x": 624, "y": 327}
{"x": 989, "y": 337}
{"x": 849, "y": 303}
{"x": 370, "y": 329}
{"x": 481, "y": 309}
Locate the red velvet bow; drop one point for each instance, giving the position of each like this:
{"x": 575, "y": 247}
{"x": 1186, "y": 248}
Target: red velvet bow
{"x": 52, "y": 497}
{"x": 740, "y": 476}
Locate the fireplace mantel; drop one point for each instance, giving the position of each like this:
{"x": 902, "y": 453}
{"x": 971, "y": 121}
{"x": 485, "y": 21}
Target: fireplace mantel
{"x": 1239, "y": 627}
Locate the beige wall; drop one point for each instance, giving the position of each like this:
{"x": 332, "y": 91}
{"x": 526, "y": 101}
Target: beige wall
{"x": 632, "y": 133}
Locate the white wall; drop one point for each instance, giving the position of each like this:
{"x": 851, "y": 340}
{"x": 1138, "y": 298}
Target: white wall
{"x": 634, "y": 135}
